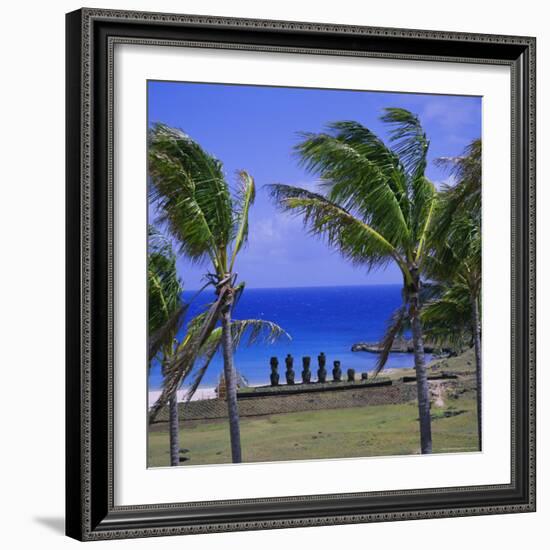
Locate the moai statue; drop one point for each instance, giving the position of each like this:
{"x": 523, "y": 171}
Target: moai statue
{"x": 364, "y": 376}
{"x": 289, "y": 360}
{"x": 306, "y": 372}
{"x": 351, "y": 375}
{"x": 337, "y": 372}
{"x": 274, "y": 362}
{"x": 322, "y": 371}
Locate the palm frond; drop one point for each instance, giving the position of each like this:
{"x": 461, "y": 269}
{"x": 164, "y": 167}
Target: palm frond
{"x": 446, "y": 319}
{"x": 465, "y": 196}
{"x": 466, "y": 169}
{"x": 158, "y": 242}
{"x": 352, "y": 237}
{"x": 245, "y": 196}
{"x": 238, "y": 292}
{"x": 408, "y": 139}
{"x": 361, "y": 174}
{"x": 165, "y": 307}
{"x": 209, "y": 350}
{"x": 166, "y": 331}
{"x": 182, "y": 362}
{"x": 464, "y": 236}
{"x": 458, "y": 252}
{"x": 424, "y": 207}
{"x": 251, "y": 330}
{"x": 370, "y": 146}
{"x": 189, "y": 188}
{"x": 164, "y": 290}
{"x": 394, "y": 328}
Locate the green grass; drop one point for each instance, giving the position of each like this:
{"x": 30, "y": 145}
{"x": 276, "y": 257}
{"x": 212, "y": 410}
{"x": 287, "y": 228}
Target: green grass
{"x": 463, "y": 364}
{"x": 382, "y": 430}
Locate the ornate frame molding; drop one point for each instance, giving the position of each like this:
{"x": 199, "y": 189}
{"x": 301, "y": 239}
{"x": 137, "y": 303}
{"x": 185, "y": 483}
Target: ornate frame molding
{"x": 91, "y": 36}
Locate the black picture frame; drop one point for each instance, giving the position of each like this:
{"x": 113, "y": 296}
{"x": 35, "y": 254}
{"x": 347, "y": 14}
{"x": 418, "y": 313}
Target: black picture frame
{"x": 90, "y": 512}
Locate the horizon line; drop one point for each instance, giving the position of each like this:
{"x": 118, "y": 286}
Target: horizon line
{"x": 304, "y": 286}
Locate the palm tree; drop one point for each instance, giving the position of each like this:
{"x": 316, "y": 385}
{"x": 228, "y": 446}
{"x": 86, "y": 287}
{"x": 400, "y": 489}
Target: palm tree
{"x": 456, "y": 246}
{"x": 377, "y": 208}
{"x": 457, "y": 264}
{"x": 176, "y": 372}
{"x": 210, "y": 224}
{"x": 446, "y": 316}
{"x": 164, "y": 320}
{"x": 166, "y": 310}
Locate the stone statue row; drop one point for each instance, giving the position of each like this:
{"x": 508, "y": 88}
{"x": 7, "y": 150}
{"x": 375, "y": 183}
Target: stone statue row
{"x": 306, "y": 370}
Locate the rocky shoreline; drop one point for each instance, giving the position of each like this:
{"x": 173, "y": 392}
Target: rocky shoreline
{"x": 400, "y": 345}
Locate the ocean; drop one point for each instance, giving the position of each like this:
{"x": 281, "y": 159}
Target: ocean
{"x": 319, "y": 319}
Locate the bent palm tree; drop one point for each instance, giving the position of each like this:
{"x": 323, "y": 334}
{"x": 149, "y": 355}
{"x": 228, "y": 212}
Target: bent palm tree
{"x": 377, "y": 209}
{"x": 210, "y": 225}
{"x": 165, "y": 316}
{"x": 177, "y": 369}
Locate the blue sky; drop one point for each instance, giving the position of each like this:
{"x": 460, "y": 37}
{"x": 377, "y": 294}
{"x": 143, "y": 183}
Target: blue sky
{"x": 255, "y": 128}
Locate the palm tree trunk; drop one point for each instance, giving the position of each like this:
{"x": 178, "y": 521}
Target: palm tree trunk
{"x": 422, "y": 387}
{"x": 476, "y": 331}
{"x": 174, "y": 431}
{"x": 231, "y": 385}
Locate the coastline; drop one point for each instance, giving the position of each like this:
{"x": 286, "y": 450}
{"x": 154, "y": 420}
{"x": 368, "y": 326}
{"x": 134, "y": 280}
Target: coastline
{"x": 461, "y": 365}
{"x": 209, "y": 392}
{"x": 319, "y": 319}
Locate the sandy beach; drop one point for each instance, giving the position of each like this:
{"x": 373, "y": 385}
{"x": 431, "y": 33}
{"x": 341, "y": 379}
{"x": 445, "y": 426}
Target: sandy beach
{"x": 201, "y": 393}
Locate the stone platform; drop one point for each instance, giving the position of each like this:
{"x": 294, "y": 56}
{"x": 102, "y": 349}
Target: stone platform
{"x": 300, "y": 397}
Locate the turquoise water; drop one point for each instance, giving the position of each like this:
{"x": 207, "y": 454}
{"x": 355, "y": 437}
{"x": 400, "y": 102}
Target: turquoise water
{"x": 328, "y": 319}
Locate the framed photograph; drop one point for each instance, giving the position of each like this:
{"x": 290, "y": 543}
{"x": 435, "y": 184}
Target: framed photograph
{"x": 300, "y": 274}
